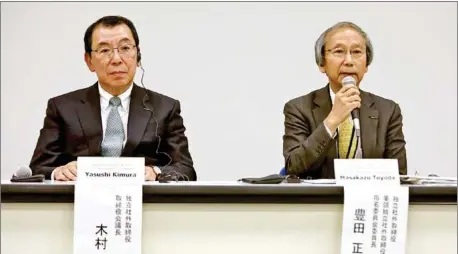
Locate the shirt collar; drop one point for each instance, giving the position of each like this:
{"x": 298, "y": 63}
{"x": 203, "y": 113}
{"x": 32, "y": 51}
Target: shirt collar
{"x": 332, "y": 94}
{"x": 106, "y": 96}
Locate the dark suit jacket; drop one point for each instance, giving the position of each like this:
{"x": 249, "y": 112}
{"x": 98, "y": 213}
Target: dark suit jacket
{"x": 308, "y": 149}
{"x": 73, "y": 127}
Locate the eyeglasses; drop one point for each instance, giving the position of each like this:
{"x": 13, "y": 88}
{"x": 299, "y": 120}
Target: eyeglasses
{"x": 107, "y": 51}
{"x": 342, "y": 53}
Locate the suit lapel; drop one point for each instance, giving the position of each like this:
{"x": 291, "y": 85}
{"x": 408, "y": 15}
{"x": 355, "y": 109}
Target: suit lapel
{"x": 323, "y": 107}
{"x": 138, "y": 120}
{"x": 323, "y": 102}
{"x": 369, "y": 121}
{"x": 90, "y": 119}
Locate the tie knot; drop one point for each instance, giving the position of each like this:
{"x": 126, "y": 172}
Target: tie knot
{"x": 115, "y": 101}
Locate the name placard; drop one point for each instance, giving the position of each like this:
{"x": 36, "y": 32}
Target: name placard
{"x": 108, "y": 205}
{"x": 367, "y": 171}
{"x": 375, "y": 206}
{"x": 375, "y": 220}
{"x": 111, "y": 170}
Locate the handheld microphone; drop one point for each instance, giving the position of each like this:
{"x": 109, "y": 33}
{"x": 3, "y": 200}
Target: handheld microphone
{"x": 24, "y": 174}
{"x": 355, "y": 115}
{"x": 355, "y": 112}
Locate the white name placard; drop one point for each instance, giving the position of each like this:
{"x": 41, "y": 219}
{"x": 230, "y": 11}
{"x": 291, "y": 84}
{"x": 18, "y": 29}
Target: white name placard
{"x": 108, "y": 205}
{"x": 375, "y": 206}
{"x": 375, "y": 220}
{"x": 367, "y": 171}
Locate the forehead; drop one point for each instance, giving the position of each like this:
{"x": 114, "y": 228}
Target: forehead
{"x": 111, "y": 35}
{"x": 346, "y": 36}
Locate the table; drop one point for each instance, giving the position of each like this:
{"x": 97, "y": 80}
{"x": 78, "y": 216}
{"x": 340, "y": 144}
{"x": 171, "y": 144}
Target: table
{"x": 222, "y": 217}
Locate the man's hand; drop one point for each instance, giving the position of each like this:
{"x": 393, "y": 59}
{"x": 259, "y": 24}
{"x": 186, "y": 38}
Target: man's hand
{"x": 66, "y": 172}
{"x": 345, "y": 101}
{"x": 150, "y": 175}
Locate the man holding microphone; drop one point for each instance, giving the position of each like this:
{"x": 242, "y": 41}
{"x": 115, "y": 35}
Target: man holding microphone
{"x": 319, "y": 126}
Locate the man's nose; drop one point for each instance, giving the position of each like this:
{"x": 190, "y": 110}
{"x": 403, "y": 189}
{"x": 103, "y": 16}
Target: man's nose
{"x": 115, "y": 58}
{"x": 348, "y": 60}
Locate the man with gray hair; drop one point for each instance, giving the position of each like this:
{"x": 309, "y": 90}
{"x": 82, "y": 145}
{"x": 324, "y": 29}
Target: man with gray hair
{"x": 319, "y": 126}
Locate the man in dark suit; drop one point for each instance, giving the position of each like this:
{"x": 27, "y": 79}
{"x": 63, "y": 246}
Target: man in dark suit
{"x": 114, "y": 116}
{"x": 318, "y": 126}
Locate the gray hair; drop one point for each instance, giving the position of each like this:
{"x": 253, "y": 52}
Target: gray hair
{"x": 319, "y": 45}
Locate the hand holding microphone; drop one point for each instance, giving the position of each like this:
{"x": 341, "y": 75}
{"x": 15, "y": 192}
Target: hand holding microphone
{"x": 347, "y": 100}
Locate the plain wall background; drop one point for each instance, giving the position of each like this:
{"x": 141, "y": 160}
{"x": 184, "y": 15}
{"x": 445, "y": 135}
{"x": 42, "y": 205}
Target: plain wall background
{"x": 233, "y": 66}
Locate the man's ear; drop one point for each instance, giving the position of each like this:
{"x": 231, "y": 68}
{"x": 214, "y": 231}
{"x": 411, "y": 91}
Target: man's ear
{"x": 139, "y": 57}
{"x": 88, "y": 60}
{"x": 322, "y": 69}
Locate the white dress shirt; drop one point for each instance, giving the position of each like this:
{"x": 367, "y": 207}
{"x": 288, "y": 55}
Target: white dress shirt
{"x": 123, "y": 110}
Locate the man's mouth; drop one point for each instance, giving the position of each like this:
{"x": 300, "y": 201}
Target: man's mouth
{"x": 118, "y": 73}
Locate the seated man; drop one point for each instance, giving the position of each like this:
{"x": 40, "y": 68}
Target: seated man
{"x": 318, "y": 126}
{"x": 114, "y": 116}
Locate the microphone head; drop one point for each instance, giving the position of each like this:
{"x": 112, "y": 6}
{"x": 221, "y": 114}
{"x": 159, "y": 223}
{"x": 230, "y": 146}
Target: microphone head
{"x": 23, "y": 171}
{"x": 348, "y": 80}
